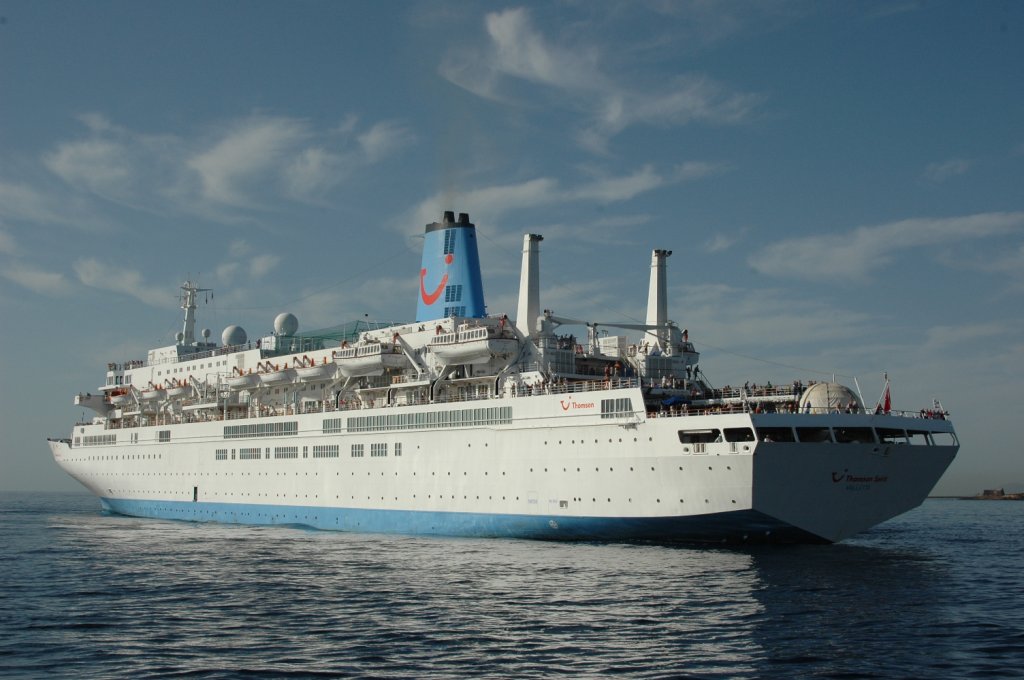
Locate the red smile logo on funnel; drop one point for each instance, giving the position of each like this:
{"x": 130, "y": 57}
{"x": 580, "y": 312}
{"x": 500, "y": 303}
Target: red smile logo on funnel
{"x": 431, "y": 298}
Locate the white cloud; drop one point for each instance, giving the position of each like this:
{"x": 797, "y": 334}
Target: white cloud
{"x": 226, "y": 272}
{"x": 23, "y": 203}
{"x": 854, "y": 254}
{"x": 95, "y": 274}
{"x": 572, "y": 73}
{"x": 262, "y": 264}
{"x": 719, "y": 243}
{"x": 97, "y": 165}
{"x": 249, "y": 149}
{"x": 488, "y": 204}
{"x": 37, "y": 280}
{"x": 383, "y": 140}
{"x": 239, "y": 248}
{"x": 522, "y": 52}
{"x": 940, "y": 172}
{"x": 942, "y": 338}
{"x": 7, "y": 244}
{"x": 313, "y": 172}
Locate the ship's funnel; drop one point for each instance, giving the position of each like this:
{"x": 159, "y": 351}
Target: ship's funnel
{"x": 657, "y": 297}
{"x": 450, "y": 283}
{"x": 529, "y": 286}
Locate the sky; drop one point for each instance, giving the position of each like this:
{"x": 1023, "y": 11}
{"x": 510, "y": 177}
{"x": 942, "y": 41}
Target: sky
{"x": 841, "y": 184}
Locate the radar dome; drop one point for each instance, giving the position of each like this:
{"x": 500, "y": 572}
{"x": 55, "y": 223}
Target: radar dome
{"x": 286, "y": 324}
{"x": 828, "y": 396}
{"x": 179, "y": 336}
{"x": 233, "y": 335}
{"x": 206, "y": 333}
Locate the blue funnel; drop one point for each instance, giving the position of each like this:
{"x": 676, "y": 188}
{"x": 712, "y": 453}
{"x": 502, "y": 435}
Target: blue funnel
{"x": 450, "y": 282}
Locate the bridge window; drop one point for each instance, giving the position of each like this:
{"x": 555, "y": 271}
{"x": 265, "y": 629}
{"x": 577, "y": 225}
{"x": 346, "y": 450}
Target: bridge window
{"x": 855, "y": 435}
{"x": 739, "y": 434}
{"x": 919, "y": 437}
{"x": 814, "y": 434}
{"x": 776, "y": 434}
{"x": 700, "y": 436}
{"x": 888, "y": 435}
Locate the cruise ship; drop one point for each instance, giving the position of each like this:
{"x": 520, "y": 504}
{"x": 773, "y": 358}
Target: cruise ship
{"x": 462, "y": 423}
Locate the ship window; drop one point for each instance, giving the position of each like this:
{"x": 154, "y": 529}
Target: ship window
{"x": 739, "y": 434}
{"x": 449, "y": 241}
{"x": 357, "y": 450}
{"x": 919, "y": 437}
{"x": 325, "y": 451}
{"x": 888, "y": 435}
{"x": 944, "y": 439}
{"x": 776, "y": 434}
{"x": 286, "y": 452}
{"x": 249, "y": 454}
{"x": 165, "y": 435}
{"x": 221, "y": 454}
{"x": 616, "y": 408}
{"x": 398, "y": 449}
{"x": 453, "y": 293}
{"x": 855, "y": 435}
{"x": 700, "y": 436}
{"x": 814, "y": 434}
{"x": 378, "y": 450}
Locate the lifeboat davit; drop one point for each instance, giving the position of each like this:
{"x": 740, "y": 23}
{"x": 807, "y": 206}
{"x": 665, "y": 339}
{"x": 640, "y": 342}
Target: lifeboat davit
{"x": 473, "y": 346}
{"x": 370, "y": 359}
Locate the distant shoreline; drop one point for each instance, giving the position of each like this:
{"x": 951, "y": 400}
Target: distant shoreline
{"x": 1007, "y": 497}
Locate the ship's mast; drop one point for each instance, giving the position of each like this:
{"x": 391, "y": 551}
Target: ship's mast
{"x": 188, "y": 303}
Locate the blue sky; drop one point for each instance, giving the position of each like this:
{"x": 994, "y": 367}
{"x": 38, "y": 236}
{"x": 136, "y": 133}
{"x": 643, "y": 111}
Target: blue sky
{"x": 842, "y": 184}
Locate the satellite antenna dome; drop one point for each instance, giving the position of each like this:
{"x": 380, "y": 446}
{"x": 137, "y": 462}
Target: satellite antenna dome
{"x": 286, "y": 324}
{"x": 206, "y": 333}
{"x": 233, "y": 335}
{"x": 179, "y": 336}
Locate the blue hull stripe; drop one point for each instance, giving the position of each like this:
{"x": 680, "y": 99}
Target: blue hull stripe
{"x": 739, "y": 526}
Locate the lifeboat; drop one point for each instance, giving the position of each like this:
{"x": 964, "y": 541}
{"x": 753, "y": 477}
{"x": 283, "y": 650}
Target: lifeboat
{"x": 178, "y": 388}
{"x": 119, "y": 398}
{"x": 473, "y": 346}
{"x": 152, "y": 393}
{"x": 242, "y": 381}
{"x": 277, "y": 376}
{"x": 314, "y": 372}
{"x": 370, "y": 359}
{"x": 307, "y": 369}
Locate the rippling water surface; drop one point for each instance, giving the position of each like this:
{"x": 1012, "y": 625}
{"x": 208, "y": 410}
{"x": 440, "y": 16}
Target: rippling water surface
{"x": 936, "y": 593}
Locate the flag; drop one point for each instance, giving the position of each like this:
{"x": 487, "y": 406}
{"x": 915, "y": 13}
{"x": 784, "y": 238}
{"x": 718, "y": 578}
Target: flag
{"x": 886, "y": 399}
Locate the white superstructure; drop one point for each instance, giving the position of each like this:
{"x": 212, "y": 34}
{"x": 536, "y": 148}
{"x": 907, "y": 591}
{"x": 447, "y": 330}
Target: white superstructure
{"x": 466, "y": 424}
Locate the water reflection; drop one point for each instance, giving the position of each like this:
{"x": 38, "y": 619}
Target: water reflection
{"x": 105, "y": 595}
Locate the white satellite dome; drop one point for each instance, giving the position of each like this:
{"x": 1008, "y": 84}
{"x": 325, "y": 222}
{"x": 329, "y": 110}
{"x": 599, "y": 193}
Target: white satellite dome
{"x": 286, "y": 324}
{"x": 828, "y": 396}
{"x": 233, "y": 335}
{"x": 206, "y": 333}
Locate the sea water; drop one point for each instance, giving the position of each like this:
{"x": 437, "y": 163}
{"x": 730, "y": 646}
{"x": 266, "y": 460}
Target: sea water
{"x": 934, "y": 593}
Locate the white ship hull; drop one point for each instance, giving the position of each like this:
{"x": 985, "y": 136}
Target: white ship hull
{"x": 468, "y": 424}
{"x": 585, "y": 478}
